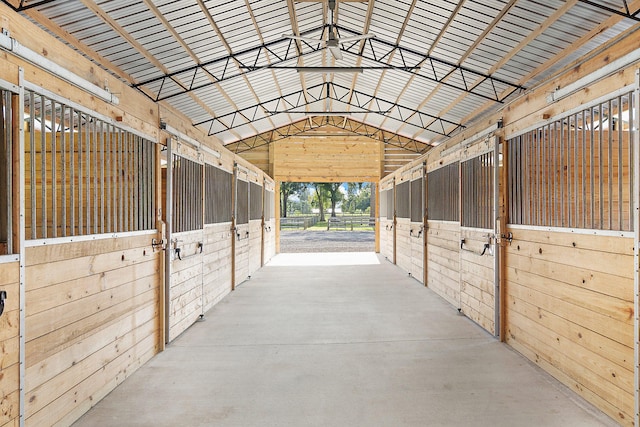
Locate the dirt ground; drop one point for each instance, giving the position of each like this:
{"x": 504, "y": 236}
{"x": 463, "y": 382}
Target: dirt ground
{"x": 297, "y": 241}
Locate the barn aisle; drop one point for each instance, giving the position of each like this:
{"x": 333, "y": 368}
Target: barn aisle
{"x": 356, "y": 344}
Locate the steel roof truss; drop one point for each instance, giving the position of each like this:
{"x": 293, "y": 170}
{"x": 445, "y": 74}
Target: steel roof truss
{"x": 625, "y": 5}
{"x": 249, "y": 60}
{"x": 291, "y": 103}
{"x": 466, "y": 74}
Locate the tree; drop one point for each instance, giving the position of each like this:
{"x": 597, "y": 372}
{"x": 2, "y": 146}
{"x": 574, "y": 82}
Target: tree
{"x": 321, "y": 195}
{"x": 287, "y": 189}
{"x": 335, "y": 195}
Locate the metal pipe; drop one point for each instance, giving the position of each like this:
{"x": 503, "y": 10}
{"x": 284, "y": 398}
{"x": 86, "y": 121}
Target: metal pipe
{"x": 54, "y": 168}
{"x": 102, "y": 181}
{"x": 620, "y": 167}
{"x": 81, "y": 137}
{"x": 87, "y": 130}
{"x": 32, "y": 149}
{"x": 108, "y": 164}
{"x": 609, "y": 166}
{"x": 584, "y": 168}
{"x": 591, "y": 171}
{"x": 633, "y": 102}
{"x": 95, "y": 172}
{"x": 63, "y": 160}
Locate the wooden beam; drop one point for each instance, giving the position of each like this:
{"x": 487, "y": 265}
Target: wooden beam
{"x": 468, "y": 52}
{"x": 219, "y": 33}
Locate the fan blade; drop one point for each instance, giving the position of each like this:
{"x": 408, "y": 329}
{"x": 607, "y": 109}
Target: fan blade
{"x": 356, "y": 38}
{"x": 304, "y": 39}
{"x": 335, "y": 51}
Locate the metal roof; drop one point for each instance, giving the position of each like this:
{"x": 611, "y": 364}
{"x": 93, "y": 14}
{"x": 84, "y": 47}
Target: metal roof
{"x": 432, "y": 68}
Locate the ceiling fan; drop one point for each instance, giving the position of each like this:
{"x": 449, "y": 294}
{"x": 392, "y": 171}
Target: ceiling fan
{"x": 332, "y": 42}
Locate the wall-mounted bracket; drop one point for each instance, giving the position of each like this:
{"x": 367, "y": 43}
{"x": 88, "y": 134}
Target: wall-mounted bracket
{"x": 3, "y": 296}
{"x": 485, "y": 247}
{"x": 157, "y": 244}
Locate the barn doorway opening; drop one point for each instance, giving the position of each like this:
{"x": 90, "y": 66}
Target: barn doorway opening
{"x": 327, "y": 217}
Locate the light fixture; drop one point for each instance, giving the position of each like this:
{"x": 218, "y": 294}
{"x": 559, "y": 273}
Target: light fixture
{"x": 329, "y": 69}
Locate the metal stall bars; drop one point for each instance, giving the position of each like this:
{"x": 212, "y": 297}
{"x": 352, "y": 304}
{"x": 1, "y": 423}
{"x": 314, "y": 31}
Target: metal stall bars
{"x": 479, "y": 205}
{"x": 184, "y": 213}
{"x": 573, "y": 172}
{"x": 85, "y": 175}
{"x": 6, "y": 176}
{"x": 241, "y": 223}
{"x": 443, "y": 193}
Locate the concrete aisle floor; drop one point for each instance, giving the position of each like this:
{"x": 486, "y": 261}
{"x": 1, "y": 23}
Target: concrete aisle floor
{"x": 348, "y": 345}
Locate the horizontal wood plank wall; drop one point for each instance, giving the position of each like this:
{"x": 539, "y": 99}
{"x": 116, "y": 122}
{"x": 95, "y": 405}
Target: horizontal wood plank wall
{"x": 92, "y": 320}
{"x": 569, "y": 308}
{"x": 403, "y": 244}
{"x": 417, "y": 252}
{"x": 443, "y": 262}
{"x": 317, "y": 159}
{"x": 477, "y": 279}
{"x": 216, "y": 263}
{"x": 396, "y": 157}
{"x": 10, "y": 345}
{"x": 258, "y": 156}
{"x": 255, "y": 245}
{"x": 186, "y": 282}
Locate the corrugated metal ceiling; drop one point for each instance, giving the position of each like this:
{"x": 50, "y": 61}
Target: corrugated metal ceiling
{"x": 433, "y": 67}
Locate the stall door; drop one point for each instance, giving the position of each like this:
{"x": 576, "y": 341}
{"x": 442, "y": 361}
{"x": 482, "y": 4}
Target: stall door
{"x": 185, "y": 234}
{"x": 242, "y": 226}
{"x": 417, "y": 230}
{"x": 403, "y": 224}
{"x": 256, "y": 235}
{"x": 218, "y": 241}
{"x": 443, "y": 232}
{"x": 269, "y": 229}
{"x": 387, "y": 225}
{"x": 478, "y": 257}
